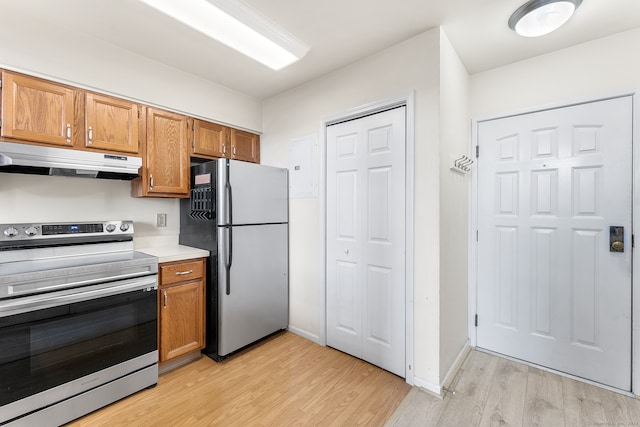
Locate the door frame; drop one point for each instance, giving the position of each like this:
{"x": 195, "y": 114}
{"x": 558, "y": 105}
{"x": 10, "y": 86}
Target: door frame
{"x": 635, "y": 225}
{"x": 351, "y": 114}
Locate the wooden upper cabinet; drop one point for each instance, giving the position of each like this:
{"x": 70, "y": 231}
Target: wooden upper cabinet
{"x": 245, "y": 146}
{"x": 210, "y": 140}
{"x": 214, "y": 141}
{"x": 37, "y": 110}
{"x": 165, "y": 165}
{"x": 111, "y": 124}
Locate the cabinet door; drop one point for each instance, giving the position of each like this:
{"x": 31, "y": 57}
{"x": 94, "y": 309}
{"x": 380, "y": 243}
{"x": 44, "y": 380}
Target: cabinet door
{"x": 181, "y": 319}
{"x": 245, "y": 146}
{"x": 111, "y": 124}
{"x": 210, "y": 140}
{"x": 36, "y": 110}
{"x": 167, "y": 156}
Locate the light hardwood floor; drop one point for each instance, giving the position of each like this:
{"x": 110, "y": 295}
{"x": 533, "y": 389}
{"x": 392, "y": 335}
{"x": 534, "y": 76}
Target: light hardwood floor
{"x": 285, "y": 380}
{"x": 492, "y": 391}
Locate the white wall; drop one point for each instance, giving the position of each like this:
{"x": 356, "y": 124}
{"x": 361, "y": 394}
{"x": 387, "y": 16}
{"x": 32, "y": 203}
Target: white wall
{"x": 601, "y": 68}
{"x": 454, "y": 206}
{"x": 399, "y": 70}
{"x": 34, "y": 198}
{"x": 55, "y": 51}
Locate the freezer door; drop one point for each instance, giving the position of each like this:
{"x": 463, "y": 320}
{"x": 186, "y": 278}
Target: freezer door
{"x": 256, "y": 301}
{"x": 257, "y": 194}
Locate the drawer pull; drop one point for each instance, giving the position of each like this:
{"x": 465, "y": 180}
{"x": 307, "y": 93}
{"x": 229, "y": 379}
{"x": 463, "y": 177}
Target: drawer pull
{"x": 180, "y": 273}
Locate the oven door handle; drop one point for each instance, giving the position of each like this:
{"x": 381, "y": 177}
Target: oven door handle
{"x": 70, "y": 296}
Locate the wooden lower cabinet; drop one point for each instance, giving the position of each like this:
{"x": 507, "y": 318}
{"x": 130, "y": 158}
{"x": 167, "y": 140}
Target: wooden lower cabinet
{"x": 181, "y": 308}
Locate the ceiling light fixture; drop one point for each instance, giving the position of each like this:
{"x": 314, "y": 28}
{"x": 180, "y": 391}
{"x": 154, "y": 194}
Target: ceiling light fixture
{"x": 238, "y": 26}
{"x": 539, "y": 17}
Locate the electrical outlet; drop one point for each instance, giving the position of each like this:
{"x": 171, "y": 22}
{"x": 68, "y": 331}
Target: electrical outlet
{"x": 161, "y": 220}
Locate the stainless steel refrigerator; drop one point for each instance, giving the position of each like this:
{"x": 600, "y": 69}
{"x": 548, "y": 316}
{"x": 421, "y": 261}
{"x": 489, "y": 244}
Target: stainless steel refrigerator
{"x": 239, "y": 212}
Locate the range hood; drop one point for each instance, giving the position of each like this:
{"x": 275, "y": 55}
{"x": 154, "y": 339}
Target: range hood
{"x": 40, "y": 160}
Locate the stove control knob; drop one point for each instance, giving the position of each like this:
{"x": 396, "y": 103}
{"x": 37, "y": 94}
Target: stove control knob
{"x": 110, "y": 228}
{"x": 31, "y": 231}
{"x": 124, "y": 226}
{"x": 11, "y": 232}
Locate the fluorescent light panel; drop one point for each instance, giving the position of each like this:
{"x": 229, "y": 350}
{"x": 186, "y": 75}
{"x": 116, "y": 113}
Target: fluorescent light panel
{"x": 238, "y": 26}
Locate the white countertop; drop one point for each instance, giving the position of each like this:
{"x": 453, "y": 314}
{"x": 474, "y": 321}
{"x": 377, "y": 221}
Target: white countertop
{"x": 167, "y": 249}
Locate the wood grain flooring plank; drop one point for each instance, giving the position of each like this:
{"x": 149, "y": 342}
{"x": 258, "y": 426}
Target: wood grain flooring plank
{"x": 418, "y": 409}
{"x": 581, "y": 404}
{"x": 544, "y": 405}
{"x": 505, "y": 405}
{"x": 467, "y": 405}
{"x": 284, "y": 380}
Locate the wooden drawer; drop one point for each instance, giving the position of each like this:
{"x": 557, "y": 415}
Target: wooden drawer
{"x": 181, "y": 271}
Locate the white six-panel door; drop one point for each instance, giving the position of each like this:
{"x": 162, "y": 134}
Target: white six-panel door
{"x": 366, "y": 238}
{"x": 550, "y": 291}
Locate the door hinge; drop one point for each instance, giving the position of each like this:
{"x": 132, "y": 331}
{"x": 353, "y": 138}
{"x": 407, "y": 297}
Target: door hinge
{"x": 477, "y": 151}
{"x": 476, "y": 320}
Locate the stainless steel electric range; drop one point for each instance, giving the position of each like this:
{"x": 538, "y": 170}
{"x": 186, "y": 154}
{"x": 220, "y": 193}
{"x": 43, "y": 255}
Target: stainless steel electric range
{"x": 78, "y": 320}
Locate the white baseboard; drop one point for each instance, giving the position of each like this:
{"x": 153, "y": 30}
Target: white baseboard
{"x": 455, "y": 367}
{"x": 435, "y": 389}
{"x": 428, "y": 386}
{"x": 305, "y": 334}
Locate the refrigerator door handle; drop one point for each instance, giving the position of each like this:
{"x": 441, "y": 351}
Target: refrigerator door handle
{"x": 230, "y": 259}
{"x": 230, "y": 228}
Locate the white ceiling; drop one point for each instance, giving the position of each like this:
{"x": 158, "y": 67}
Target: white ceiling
{"x": 339, "y": 32}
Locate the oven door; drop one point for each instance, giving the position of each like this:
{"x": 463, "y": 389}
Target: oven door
{"x": 57, "y": 345}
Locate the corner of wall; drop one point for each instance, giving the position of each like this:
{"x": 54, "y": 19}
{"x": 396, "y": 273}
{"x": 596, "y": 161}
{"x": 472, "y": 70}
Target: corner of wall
{"x": 454, "y": 206}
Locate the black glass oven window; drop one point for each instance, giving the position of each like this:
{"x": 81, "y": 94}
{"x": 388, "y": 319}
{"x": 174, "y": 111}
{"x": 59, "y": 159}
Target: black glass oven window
{"x": 46, "y": 348}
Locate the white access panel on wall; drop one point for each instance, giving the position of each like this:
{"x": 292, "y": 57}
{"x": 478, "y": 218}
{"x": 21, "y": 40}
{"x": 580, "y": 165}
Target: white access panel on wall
{"x": 303, "y": 167}
{"x": 554, "y": 195}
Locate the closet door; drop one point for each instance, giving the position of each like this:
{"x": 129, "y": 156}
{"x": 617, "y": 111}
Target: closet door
{"x": 366, "y": 238}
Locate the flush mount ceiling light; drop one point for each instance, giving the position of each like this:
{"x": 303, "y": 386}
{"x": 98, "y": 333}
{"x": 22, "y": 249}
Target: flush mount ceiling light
{"x": 539, "y": 17}
{"x": 238, "y": 26}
